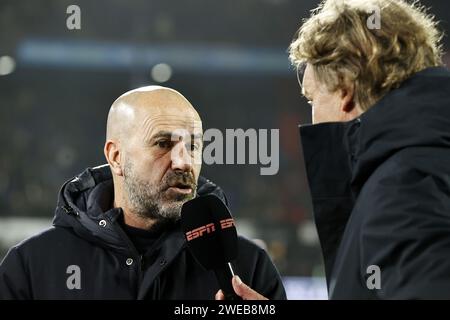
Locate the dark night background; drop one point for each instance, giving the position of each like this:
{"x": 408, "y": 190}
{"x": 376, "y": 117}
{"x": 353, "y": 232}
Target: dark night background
{"x": 229, "y": 58}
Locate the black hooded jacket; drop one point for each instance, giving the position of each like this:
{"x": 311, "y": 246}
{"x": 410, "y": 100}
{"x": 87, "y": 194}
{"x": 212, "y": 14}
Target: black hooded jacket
{"x": 87, "y": 255}
{"x": 380, "y": 186}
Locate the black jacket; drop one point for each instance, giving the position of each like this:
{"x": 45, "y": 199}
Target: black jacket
{"x": 380, "y": 186}
{"x": 87, "y": 239}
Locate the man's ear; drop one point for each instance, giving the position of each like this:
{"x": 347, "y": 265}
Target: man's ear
{"x": 113, "y": 156}
{"x": 347, "y": 100}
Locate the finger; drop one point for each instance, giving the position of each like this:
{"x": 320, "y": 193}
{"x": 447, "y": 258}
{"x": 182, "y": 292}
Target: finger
{"x": 220, "y": 295}
{"x": 244, "y": 291}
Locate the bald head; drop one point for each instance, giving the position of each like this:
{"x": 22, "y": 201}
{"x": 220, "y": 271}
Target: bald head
{"x": 154, "y": 149}
{"x": 141, "y": 106}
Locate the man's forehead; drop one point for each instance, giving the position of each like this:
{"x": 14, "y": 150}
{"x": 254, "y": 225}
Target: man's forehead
{"x": 171, "y": 123}
{"x": 174, "y": 109}
{"x": 172, "y": 120}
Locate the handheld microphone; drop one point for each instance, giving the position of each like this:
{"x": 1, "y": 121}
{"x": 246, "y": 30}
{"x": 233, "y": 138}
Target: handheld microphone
{"x": 211, "y": 238}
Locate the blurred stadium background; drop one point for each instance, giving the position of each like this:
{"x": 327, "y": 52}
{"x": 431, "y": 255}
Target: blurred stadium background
{"x": 227, "y": 57}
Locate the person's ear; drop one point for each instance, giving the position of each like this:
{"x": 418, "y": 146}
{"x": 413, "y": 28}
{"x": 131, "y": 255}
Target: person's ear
{"x": 113, "y": 156}
{"x": 347, "y": 100}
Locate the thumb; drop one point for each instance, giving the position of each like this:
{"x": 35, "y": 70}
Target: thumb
{"x": 244, "y": 291}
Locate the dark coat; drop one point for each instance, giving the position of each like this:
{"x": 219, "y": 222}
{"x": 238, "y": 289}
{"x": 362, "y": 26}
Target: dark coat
{"x": 380, "y": 186}
{"x": 86, "y": 235}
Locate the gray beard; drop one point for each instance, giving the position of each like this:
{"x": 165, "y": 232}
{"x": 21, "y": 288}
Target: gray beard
{"x": 148, "y": 200}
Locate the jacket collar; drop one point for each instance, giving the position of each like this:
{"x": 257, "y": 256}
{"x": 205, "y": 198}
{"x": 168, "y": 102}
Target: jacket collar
{"x": 328, "y": 158}
{"x": 84, "y": 205}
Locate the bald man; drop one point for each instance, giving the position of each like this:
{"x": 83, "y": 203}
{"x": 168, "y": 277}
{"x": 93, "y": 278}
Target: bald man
{"x": 116, "y": 232}
{"x": 153, "y": 147}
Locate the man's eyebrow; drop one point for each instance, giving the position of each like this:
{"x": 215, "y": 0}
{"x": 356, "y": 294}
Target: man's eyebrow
{"x": 308, "y": 96}
{"x": 161, "y": 134}
{"x": 169, "y": 134}
{"x": 300, "y": 72}
{"x": 305, "y": 93}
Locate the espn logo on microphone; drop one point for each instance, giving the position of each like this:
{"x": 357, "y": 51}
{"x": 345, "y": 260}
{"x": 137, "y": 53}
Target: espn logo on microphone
{"x": 200, "y": 231}
{"x": 226, "y": 223}
{"x": 209, "y": 228}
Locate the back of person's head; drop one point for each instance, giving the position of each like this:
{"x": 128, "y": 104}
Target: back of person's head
{"x": 345, "y": 46}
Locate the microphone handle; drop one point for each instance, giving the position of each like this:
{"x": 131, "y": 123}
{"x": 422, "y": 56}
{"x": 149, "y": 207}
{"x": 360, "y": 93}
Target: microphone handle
{"x": 224, "y": 275}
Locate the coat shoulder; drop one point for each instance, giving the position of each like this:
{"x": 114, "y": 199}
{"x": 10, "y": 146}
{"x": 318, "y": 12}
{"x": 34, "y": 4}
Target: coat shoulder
{"x": 249, "y": 247}
{"x": 45, "y": 240}
{"x": 256, "y": 268}
{"x": 411, "y": 167}
{"x": 426, "y": 159}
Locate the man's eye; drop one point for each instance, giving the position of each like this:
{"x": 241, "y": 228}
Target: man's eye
{"x": 164, "y": 144}
{"x": 194, "y": 147}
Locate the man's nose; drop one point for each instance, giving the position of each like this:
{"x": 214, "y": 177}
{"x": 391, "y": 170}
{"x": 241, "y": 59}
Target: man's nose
{"x": 181, "y": 157}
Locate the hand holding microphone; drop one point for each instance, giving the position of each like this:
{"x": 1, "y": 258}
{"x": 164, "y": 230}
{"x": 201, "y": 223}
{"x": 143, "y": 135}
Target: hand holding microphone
{"x": 242, "y": 290}
{"x": 212, "y": 238}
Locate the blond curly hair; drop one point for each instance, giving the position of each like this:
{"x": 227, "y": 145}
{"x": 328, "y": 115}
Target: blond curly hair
{"x": 343, "y": 51}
